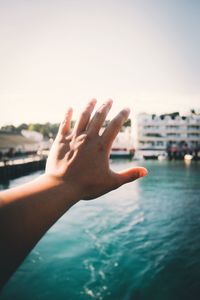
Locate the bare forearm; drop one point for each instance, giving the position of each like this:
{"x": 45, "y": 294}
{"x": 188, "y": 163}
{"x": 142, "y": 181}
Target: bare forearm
{"x": 26, "y": 213}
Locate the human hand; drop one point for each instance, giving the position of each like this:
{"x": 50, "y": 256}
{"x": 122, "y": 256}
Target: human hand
{"x": 80, "y": 158}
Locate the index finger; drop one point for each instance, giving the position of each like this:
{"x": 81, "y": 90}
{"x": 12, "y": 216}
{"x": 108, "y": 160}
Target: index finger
{"x": 114, "y": 127}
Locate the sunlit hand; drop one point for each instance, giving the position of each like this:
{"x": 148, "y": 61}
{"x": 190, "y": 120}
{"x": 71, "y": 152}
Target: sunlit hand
{"x": 81, "y": 157}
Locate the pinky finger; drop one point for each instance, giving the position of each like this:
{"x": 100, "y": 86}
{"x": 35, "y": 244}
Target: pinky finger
{"x": 65, "y": 125}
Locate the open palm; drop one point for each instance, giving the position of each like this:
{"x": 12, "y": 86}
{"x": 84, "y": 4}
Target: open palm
{"x": 81, "y": 156}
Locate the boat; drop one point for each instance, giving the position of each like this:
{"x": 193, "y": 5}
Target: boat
{"x": 154, "y": 154}
{"x": 122, "y": 153}
{"x": 123, "y": 145}
{"x": 162, "y": 156}
{"x": 188, "y": 157}
{"x": 150, "y": 157}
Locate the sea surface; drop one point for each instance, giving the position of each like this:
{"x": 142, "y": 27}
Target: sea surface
{"x": 140, "y": 242}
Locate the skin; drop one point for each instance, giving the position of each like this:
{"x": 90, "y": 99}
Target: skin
{"x": 77, "y": 169}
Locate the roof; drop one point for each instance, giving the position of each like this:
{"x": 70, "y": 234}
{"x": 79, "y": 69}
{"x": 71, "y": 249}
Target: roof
{"x": 10, "y": 140}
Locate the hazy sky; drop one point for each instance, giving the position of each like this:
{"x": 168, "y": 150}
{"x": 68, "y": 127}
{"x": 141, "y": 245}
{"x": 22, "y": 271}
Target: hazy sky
{"x": 142, "y": 53}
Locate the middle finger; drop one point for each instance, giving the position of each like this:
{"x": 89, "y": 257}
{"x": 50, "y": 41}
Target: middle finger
{"x": 99, "y": 118}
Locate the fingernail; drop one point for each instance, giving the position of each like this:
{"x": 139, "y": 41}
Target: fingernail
{"x": 143, "y": 172}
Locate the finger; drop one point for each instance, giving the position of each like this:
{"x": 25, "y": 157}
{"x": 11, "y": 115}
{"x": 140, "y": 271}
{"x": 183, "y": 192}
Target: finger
{"x": 130, "y": 174}
{"x": 84, "y": 118}
{"x": 99, "y": 118}
{"x": 114, "y": 127}
{"x": 65, "y": 125}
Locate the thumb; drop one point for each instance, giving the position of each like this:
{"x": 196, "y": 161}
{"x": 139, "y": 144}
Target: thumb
{"x": 131, "y": 174}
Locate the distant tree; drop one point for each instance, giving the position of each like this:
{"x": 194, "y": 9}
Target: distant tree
{"x": 21, "y": 127}
{"x": 47, "y": 129}
{"x": 9, "y": 128}
{"x": 106, "y": 123}
{"x": 73, "y": 123}
{"x": 127, "y": 123}
{"x": 54, "y": 129}
{"x": 34, "y": 127}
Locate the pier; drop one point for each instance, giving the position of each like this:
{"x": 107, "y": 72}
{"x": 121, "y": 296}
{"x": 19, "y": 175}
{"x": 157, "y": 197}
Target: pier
{"x": 15, "y": 168}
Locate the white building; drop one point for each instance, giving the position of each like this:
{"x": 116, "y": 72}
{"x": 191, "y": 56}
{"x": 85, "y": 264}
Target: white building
{"x": 168, "y": 133}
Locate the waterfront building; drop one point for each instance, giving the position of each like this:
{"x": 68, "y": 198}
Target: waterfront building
{"x": 122, "y": 146}
{"x": 16, "y": 142}
{"x": 169, "y": 135}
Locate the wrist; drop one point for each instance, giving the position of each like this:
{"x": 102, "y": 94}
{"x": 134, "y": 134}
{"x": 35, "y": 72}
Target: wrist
{"x": 63, "y": 189}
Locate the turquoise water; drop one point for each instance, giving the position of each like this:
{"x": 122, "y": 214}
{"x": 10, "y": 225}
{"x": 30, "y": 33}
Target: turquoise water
{"x": 141, "y": 241}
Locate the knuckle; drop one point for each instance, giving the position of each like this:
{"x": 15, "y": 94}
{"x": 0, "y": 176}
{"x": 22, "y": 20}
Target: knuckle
{"x": 82, "y": 137}
{"x": 100, "y": 146}
{"x": 116, "y": 122}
